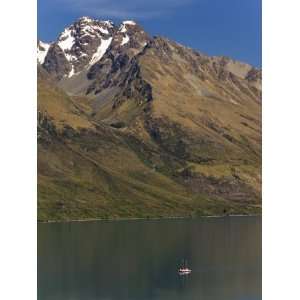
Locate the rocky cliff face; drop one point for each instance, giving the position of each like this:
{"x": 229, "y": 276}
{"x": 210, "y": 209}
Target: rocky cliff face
{"x": 167, "y": 124}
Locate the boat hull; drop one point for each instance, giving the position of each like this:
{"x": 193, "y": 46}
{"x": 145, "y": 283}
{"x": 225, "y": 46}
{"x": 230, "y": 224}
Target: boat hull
{"x": 184, "y": 272}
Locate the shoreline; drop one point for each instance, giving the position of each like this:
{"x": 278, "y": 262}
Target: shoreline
{"x": 143, "y": 219}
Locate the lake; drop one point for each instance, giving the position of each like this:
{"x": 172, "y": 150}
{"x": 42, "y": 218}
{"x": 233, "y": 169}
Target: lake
{"x": 138, "y": 260}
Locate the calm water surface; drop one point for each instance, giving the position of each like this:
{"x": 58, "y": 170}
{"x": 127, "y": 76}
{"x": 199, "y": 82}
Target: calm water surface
{"x": 138, "y": 260}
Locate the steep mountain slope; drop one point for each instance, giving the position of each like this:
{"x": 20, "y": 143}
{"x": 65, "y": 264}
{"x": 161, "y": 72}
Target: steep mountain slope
{"x": 132, "y": 125}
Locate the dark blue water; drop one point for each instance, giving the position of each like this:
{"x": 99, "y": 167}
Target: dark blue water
{"x": 138, "y": 260}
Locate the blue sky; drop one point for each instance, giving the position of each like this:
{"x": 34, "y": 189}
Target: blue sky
{"x": 215, "y": 27}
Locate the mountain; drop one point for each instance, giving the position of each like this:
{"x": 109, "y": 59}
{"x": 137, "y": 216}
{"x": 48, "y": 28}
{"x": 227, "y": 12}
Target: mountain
{"x": 131, "y": 125}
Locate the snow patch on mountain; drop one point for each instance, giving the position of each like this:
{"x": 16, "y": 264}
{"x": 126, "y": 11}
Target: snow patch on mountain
{"x": 94, "y": 30}
{"x": 125, "y": 40}
{"x": 129, "y": 22}
{"x": 42, "y": 51}
{"x": 103, "y": 30}
{"x": 110, "y": 24}
{"x": 100, "y": 51}
{"x": 123, "y": 28}
{"x": 70, "y": 57}
{"x": 72, "y": 72}
{"x": 85, "y": 19}
{"x": 66, "y": 40}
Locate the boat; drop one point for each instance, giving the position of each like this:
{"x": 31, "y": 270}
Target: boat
{"x": 184, "y": 270}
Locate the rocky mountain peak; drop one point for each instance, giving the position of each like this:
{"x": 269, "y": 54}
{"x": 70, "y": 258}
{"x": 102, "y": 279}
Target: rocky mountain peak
{"x": 89, "y": 20}
{"x": 79, "y": 46}
{"x": 84, "y": 43}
